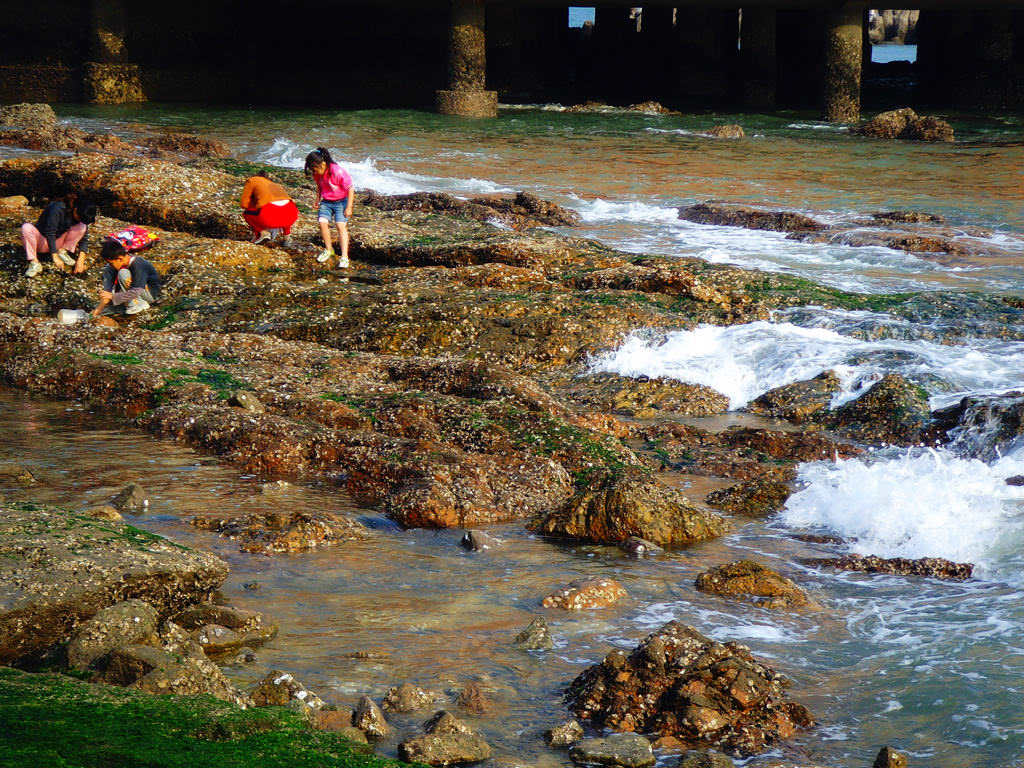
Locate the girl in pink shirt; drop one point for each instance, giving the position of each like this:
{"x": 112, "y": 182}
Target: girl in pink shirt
{"x": 333, "y": 201}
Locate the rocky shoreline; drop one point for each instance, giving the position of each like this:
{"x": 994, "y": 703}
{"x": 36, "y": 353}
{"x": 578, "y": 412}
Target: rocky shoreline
{"x": 444, "y": 381}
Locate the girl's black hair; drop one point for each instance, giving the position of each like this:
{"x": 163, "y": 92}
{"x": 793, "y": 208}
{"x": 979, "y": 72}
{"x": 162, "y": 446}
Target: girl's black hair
{"x": 86, "y": 212}
{"x": 317, "y": 156}
{"x": 112, "y": 248}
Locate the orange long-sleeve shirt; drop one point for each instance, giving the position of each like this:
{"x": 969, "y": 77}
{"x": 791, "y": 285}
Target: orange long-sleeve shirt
{"x": 259, "y": 191}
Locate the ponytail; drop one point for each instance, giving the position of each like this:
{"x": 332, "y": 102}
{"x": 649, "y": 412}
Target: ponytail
{"x": 317, "y": 156}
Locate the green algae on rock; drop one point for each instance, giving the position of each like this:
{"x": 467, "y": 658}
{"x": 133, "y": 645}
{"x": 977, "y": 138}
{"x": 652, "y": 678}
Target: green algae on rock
{"x": 54, "y": 720}
{"x": 58, "y": 569}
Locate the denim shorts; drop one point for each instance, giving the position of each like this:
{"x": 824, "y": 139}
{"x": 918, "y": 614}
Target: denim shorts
{"x": 333, "y": 210}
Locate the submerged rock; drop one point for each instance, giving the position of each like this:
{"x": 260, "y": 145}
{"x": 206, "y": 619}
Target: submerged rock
{"x": 908, "y": 217}
{"x": 80, "y": 566}
{"x": 132, "y": 621}
{"x": 680, "y": 683}
{"x": 628, "y": 750}
{"x": 933, "y": 567}
{"x": 586, "y": 594}
{"x": 726, "y": 132}
{"x": 705, "y": 759}
{"x": 536, "y": 637}
{"x": 447, "y": 741}
{"x": 564, "y": 735}
{"x": 729, "y": 215}
{"x": 747, "y": 579}
{"x": 622, "y": 507}
{"x": 474, "y": 699}
{"x": 13, "y": 472}
{"x": 104, "y": 512}
{"x": 277, "y": 532}
{"x": 637, "y": 547}
{"x": 761, "y": 496}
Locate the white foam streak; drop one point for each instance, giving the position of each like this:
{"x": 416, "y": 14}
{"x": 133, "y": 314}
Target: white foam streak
{"x": 367, "y": 175}
{"x": 922, "y": 503}
{"x": 745, "y": 361}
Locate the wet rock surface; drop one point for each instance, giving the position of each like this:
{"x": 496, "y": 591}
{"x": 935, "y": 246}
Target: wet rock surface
{"x": 131, "y": 621}
{"x": 628, "y": 750}
{"x": 746, "y": 579}
{"x": 680, "y": 683}
{"x": 408, "y": 698}
{"x": 621, "y": 508}
{"x": 729, "y": 215}
{"x": 905, "y": 124}
{"x": 278, "y": 689}
{"x": 586, "y": 594}
{"x": 889, "y": 758}
{"x": 59, "y": 569}
{"x": 271, "y": 533}
{"x": 892, "y": 411}
{"x": 535, "y": 637}
{"x": 758, "y": 497}
{"x": 705, "y": 759}
{"x": 447, "y": 741}
{"x": 799, "y": 401}
{"x": 933, "y": 567}
{"x": 726, "y": 132}
{"x": 369, "y": 719}
{"x": 564, "y": 735}
{"x": 643, "y": 397}
{"x": 520, "y": 211}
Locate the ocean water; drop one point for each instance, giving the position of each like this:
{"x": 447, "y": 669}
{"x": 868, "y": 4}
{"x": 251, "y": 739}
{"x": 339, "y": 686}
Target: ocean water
{"x": 933, "y": 668}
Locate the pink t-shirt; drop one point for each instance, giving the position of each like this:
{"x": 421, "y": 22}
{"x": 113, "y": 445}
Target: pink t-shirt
{"x": 335, "y": 184}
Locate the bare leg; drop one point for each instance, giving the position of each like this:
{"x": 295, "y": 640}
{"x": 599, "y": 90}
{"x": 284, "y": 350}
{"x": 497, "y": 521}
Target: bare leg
{"x": 325, "y": 233}
{"x": 343, "y": 239}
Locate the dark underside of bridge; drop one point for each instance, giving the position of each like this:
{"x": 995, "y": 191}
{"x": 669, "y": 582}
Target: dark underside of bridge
{"x": 462, "y": 56}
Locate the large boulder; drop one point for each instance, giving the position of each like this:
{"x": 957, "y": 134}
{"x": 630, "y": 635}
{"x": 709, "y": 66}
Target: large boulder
{"x": 447, "y": 741}
{"x": 680, "y": 683}
{"x": 58, "y": 569}
{"x": 746, "y": 579}
{"x": 893, "y": 411}
{"x": 28, "y": 116}
{"x": 622, "y": 507}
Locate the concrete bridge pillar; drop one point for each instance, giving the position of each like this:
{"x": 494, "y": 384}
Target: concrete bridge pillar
{"x": 108, "y": 77}
{"x": 466, "y": 95}
{"x": 757, "y": 56}
{"x": 844, "y": 51}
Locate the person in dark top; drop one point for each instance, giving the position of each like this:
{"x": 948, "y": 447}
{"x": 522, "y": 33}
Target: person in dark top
{"x": 130, "y": 283}
{"x": 62, "y": 231}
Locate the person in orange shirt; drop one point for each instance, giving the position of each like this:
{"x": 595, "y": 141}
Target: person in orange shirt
{"x": 268, "y": 209}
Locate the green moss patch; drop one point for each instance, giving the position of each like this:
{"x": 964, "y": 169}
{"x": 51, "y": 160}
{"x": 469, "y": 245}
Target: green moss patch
{"x": 58, "y": 722}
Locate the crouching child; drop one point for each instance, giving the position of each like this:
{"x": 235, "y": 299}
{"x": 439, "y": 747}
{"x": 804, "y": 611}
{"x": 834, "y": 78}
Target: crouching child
{"x": 130, "y": 283}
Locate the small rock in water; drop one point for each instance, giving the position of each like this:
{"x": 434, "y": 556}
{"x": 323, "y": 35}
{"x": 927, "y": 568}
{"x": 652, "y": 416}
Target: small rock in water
{"x": 586, "y": 594}
{"x": 564, "y": 735}
{"x": 934, "y": 567}
{"x": 104, "y": 512}
{"x": 217, "y": 640}
{"x": 1015, "y": 480}
{"x": 252, "y": 586}
{"x": 705, "y": 759}
{"x": 473, "y": 699}
{"x": 408, "y": 698}
{"x": 279, "y": 689}
{"x": 726, "y": 132}
{"x": 478, "y": 541}
{"x": 12, "y": 472}
{"x": 637, "y": 547}
{"x": 890, "y": 758}
{"x": 131, "y": 499}
{"x": 246, "y": 401}
{"x": 628, "y": 750}
{"x": 370, "y": 720}
{"x": 746, "y": 578}
{"x": 536, "y": 637}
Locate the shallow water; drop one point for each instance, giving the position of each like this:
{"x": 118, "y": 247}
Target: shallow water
{"x": 627, "y": 174}
{"x": 934, "y": 668}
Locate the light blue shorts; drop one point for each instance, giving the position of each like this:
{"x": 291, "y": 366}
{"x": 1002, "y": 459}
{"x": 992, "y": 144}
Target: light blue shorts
{"x": 333, "y": 210}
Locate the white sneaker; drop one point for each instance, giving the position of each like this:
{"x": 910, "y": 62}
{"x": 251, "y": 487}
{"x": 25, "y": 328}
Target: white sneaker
{"x": 343, "y": 262}
{"x": 66, "y": 257}
{"x": 135, "y": 306}
{"x": 34, "y": 268}
{"x": 325, "y": 256}
{"x": 262, "y": 237}
{"x": 287, "y": 242}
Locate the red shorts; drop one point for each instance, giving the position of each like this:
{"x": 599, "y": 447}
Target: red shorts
{"x": 272, "y": 216}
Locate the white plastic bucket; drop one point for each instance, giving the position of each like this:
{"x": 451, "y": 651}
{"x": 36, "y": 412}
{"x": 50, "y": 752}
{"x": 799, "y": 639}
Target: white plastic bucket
{"x": 72, "y": 316}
